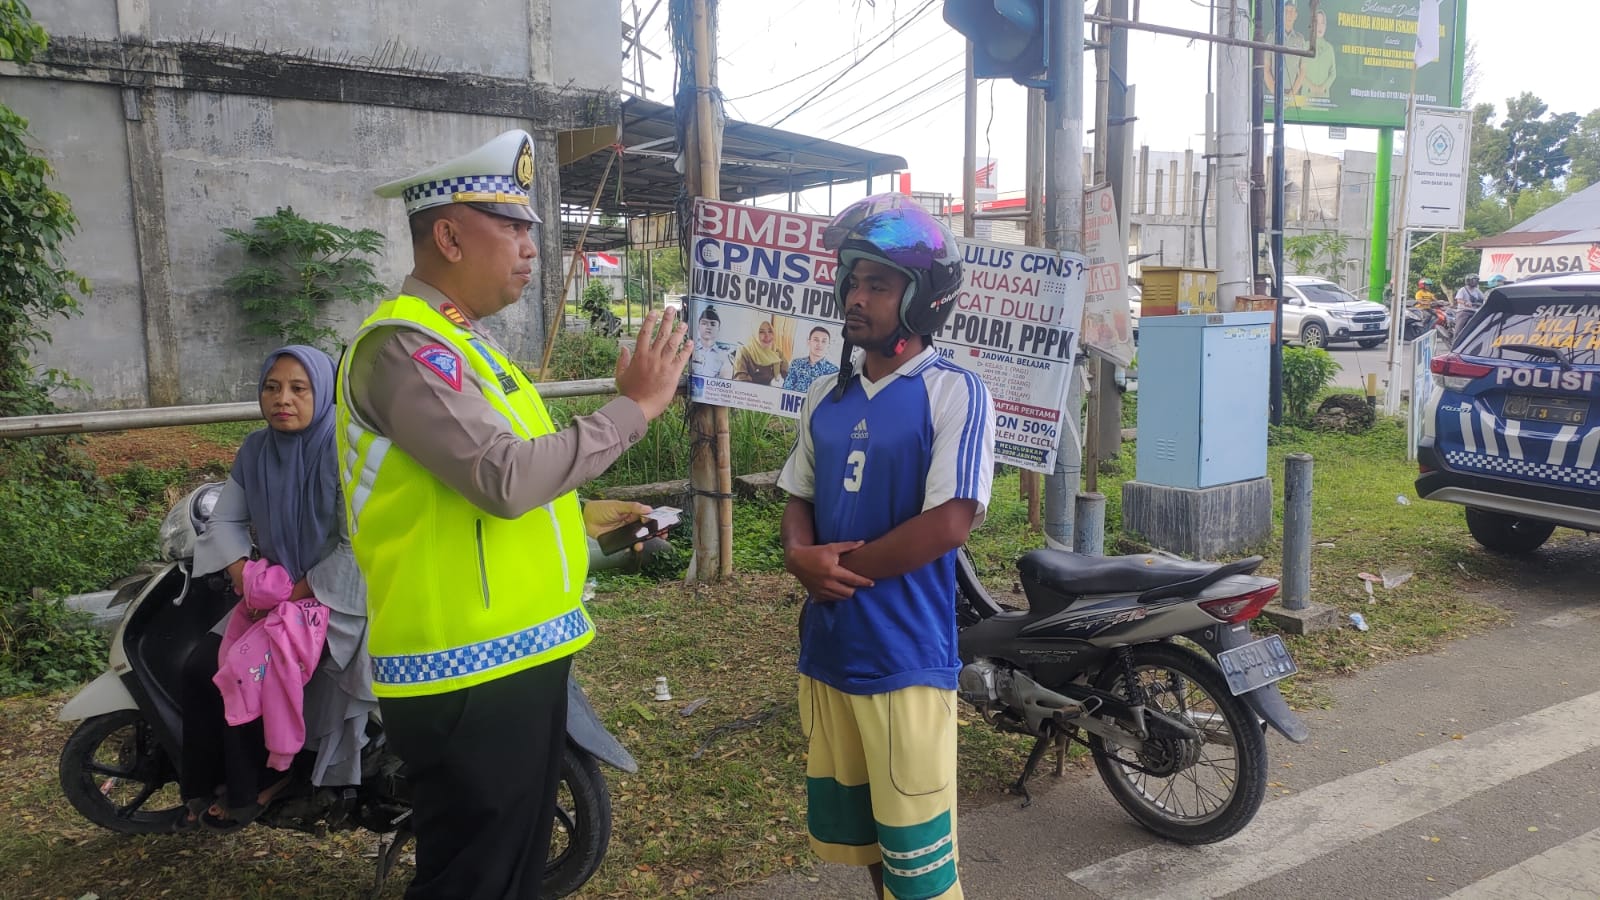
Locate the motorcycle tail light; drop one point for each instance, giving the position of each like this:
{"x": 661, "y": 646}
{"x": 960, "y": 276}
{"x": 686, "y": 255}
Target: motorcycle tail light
{"x": 1242, "y": 608}
{"x": 1455, "y": 373}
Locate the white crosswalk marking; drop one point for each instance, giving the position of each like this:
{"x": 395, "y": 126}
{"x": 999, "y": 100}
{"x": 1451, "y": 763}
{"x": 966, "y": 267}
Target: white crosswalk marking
{"x": 1567, "y": 872}
{"x": 1291, "y": 831}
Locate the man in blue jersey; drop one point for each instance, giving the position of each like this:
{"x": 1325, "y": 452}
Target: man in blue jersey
{"x": 891, "y": 471}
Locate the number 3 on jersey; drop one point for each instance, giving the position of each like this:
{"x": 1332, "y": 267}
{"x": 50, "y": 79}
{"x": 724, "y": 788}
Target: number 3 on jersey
{"x": 854, "y": 464}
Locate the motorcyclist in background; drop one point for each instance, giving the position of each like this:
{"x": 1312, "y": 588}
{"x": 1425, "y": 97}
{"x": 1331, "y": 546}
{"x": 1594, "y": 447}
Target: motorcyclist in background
{"x": 1469, "y": 299}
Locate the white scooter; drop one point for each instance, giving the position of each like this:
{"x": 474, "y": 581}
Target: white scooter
{"x": 120, "y": 767}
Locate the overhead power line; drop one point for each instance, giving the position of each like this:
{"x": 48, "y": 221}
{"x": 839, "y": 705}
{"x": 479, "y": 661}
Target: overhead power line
{"x": 893, "y": 101}
{"x": 921, "y": 11}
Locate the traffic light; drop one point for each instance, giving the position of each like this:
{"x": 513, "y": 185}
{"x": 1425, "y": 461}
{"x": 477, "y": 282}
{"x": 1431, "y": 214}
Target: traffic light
{"x": 1010, "y": 38}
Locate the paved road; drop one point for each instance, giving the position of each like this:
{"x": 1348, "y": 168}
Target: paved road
{"x": 1355, "y": 363}
{"x": 1470, "y": 773}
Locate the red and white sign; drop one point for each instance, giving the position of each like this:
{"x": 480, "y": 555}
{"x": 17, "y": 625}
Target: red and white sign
{"x": 985, "y": 175}
{"x": 1517, "y": 263}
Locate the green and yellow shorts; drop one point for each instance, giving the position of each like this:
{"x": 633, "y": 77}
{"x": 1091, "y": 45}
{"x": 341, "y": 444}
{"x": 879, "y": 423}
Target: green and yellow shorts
{"x": 881, "y": 784}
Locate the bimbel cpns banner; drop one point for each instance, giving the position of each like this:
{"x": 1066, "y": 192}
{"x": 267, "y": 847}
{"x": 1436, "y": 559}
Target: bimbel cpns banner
{"x": 766, "y": 324}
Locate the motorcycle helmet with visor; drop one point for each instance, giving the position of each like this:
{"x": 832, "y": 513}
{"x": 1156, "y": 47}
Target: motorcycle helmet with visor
{"x": 893, "y": 230}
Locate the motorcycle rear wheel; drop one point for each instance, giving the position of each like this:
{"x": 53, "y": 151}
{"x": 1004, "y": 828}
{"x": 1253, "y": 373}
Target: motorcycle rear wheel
{"x": 117, "y": 755}
{"x": 1218, "y": 782}
{"x": 583, "y": 825}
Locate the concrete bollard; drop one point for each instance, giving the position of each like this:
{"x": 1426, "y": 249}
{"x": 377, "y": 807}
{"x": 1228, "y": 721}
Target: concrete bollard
{"x": 1297, "y": 531}
{"x": 1089, "y": 534}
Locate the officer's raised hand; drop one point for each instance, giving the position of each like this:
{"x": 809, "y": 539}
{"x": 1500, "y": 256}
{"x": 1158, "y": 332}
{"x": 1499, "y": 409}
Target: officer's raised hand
{"x": 649, "y": 375}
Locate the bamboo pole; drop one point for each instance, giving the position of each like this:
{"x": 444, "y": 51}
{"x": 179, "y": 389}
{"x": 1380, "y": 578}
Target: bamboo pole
{"x": 710, "y": 474}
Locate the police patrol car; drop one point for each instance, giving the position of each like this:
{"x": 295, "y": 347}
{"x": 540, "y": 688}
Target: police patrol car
{"x": 1512, "y": 423}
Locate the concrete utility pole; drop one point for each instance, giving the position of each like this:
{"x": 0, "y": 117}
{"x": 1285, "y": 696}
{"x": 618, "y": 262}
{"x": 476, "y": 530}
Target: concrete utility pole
{"x": 1105, "y": 436}
{"x": 1233, "y": 165}
{"x": 1064, "y": 231}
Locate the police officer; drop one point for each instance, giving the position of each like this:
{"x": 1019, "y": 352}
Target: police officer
{"x": 460, "y": 497}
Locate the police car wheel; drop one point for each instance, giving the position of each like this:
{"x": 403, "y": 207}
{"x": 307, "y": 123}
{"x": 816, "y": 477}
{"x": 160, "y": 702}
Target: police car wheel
{"x": 1507, "y": 534}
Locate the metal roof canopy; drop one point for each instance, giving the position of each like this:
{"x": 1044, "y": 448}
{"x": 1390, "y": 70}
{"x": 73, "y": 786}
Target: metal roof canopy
{"x": 756, "y": 162}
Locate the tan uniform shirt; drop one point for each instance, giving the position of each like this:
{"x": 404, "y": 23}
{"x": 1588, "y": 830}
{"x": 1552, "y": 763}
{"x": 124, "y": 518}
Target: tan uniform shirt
{"x": 455, "y": 434}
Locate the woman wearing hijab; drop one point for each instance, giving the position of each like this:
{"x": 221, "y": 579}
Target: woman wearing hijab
{"x": 281, "y": 505}
{"x": 760, "y": 361}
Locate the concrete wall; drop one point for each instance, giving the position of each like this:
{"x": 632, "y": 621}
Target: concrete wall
{"x": 104, "y": 346}
{"x": 157, "y": 167}
{"x": 586, "y": 43}
{"x": 488, "y": 38}
{"x": 86, "y": 18}
{"x": 227, "y": 159}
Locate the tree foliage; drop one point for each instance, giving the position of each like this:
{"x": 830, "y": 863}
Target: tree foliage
{"x": 295, "y": 269}
{"x": 1584, "y": 148}
{"x": 1527, "y": 161}
{"x": 1526, "y": 150}
{"x": 1317, "y": 253}
{"x": 20, "y": 36}
{"x": 666, "y": 267}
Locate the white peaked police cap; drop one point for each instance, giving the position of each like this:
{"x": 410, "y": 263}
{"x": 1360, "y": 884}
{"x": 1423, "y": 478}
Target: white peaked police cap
{"x": 496, "y": 178}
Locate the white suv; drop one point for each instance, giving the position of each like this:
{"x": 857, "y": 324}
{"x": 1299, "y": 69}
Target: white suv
{"x": 1317, "y": 312}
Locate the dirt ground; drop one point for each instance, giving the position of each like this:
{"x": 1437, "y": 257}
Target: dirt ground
{"x": 156, "y": 448}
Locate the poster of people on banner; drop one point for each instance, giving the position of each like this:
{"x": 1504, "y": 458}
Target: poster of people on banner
{"x": 766, "y": 324}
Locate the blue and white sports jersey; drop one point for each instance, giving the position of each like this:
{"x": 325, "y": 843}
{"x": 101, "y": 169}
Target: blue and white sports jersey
{"x": 879, "y": 456}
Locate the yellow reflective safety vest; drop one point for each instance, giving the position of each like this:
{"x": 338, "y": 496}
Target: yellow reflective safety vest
{"x": 457, "y": 596}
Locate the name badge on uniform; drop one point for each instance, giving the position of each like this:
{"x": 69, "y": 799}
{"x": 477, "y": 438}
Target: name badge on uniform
{"x": 508, "y": 382}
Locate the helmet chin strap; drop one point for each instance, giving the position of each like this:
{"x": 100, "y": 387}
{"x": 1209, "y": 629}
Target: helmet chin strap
{"x": 890, "y": 347}
{"x": 895, "y": 343}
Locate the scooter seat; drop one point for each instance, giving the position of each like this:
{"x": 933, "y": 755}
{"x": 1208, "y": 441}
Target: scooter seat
{"x": 1072, "y": 574}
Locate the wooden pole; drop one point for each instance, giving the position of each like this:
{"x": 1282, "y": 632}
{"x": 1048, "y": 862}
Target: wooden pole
{"x": 1034, "y": 237}
{"x": 572, "y": 270}
{"x": 710, "y": 476}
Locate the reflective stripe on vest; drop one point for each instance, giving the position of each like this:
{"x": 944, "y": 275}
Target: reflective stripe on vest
{"x": 456, "y": 596}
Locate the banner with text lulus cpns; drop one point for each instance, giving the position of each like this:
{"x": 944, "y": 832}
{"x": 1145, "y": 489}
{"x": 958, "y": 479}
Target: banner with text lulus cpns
{"x": 766, "y": 322}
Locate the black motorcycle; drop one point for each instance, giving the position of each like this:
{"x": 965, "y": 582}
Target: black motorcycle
{"x": 1148, "y": 662}
{"x": 120, "y": 767}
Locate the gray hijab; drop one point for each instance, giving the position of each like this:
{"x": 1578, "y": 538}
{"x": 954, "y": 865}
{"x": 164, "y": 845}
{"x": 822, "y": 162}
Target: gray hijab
{"x": 291, "y": 479}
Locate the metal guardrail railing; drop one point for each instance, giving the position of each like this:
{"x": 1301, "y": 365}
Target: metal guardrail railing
{"x": 212, "y": 413}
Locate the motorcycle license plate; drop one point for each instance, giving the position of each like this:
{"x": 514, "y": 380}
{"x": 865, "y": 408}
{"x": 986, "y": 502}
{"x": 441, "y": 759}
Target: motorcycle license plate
{"x": 1256, "y": 664}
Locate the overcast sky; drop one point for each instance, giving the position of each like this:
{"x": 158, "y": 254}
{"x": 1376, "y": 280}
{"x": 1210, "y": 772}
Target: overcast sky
{"x": 905, "y": 97}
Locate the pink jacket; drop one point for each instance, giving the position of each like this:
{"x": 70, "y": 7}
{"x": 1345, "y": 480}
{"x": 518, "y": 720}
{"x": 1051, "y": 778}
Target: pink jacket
{"x": 263, "y": 666}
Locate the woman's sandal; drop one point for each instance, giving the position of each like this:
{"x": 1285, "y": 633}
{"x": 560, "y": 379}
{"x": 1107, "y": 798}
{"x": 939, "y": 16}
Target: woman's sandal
{"x": 231, "y": 820}
{"x": 187, "y": 816}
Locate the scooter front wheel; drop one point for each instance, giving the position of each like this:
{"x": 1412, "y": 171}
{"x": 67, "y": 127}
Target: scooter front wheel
{"x": 115, "y": 772}
{"x": 583, "y": 825}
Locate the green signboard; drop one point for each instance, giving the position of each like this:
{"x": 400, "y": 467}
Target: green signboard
{"x": 1362, "y": 71}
